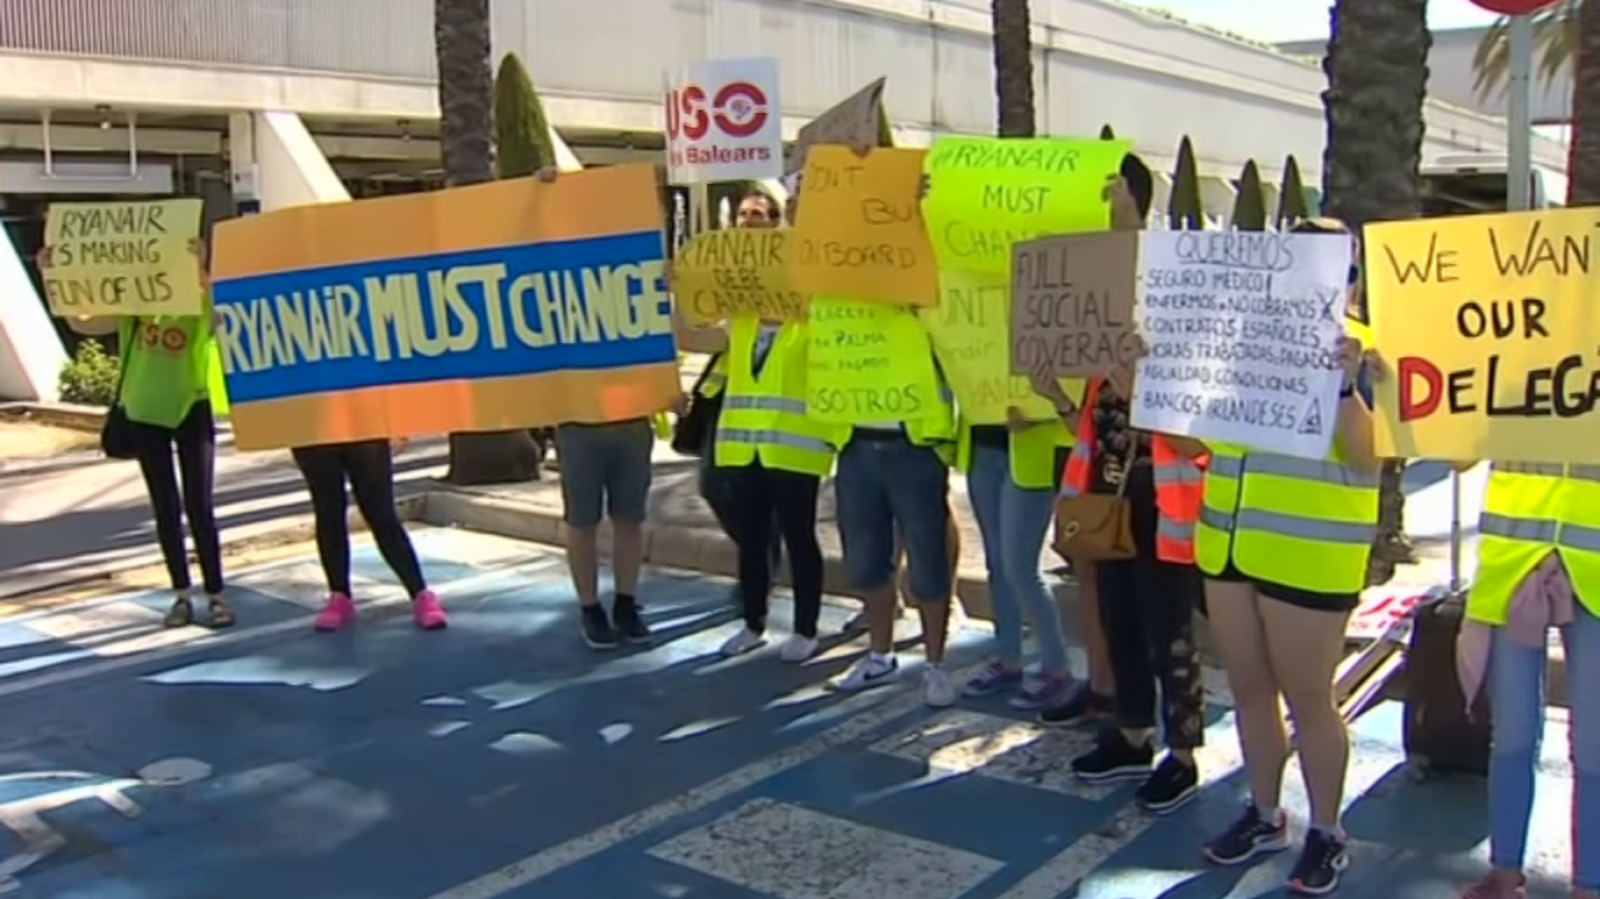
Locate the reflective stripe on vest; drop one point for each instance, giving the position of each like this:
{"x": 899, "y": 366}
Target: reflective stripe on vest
{"x": 771, "y": 437}
{"x": 1540, "y": 530}
{"x": 1303, "y": 523}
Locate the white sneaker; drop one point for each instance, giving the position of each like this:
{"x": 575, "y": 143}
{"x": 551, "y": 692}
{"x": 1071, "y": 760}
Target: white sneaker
{"x": 938, "y": 690}
{"x": 744, "y": 641}
{"x": 797, "y": 648}
{"x": 872, "y": 671}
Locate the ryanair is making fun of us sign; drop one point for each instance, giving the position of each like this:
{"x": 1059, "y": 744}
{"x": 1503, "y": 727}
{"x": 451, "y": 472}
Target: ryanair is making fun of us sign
{"x": 505, "y": 305}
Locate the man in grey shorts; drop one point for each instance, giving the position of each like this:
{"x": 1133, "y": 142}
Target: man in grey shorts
{"x": 605, "y": 470}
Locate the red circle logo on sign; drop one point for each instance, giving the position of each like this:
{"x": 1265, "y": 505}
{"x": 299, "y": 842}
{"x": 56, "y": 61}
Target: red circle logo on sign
{"x": 1512, "y": 7}
{"x": 741, "y": 109}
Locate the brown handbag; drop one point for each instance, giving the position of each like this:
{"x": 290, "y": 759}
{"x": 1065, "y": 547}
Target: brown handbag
{"x": 1093, "y": 527}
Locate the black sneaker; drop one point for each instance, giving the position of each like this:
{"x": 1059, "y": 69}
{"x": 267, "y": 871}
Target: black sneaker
{"x": 1321, "y": 862}
{"x": 1249, "y": 837}
{"x": 1081, "y": 705}
{"x": 1114, "y": 758}
{"x": 1170, "y": 788}
{"x": 597, "y": 629}
{"x": 629, "y": 625}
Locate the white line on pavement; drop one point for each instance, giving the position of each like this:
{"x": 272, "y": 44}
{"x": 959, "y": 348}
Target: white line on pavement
{"x": 543, "y": 863}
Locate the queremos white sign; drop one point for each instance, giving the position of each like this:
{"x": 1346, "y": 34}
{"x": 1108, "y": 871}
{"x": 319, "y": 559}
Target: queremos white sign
{"x": 724, "y": 122}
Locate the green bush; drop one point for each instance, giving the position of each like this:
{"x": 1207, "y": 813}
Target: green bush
{"x": 90, "y": 378}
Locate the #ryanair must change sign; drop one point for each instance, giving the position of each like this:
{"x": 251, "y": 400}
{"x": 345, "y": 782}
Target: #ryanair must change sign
{"x": 505, "y": 305}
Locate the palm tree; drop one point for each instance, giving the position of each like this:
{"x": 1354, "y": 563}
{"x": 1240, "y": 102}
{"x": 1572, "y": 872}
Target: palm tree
{"x": 466, "y": 100}
{"x": 1377, "y": 67}
{"x": 1013, "y": 67}
{"x": 1565, "y": 33}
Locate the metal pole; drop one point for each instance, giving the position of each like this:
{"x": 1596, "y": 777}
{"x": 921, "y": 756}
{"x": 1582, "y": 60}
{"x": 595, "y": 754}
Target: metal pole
{"x": 1519, "y": 126}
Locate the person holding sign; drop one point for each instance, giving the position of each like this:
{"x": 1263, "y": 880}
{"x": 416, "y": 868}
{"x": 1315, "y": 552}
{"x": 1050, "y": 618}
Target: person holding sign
{"x": 1538, "y": 568}
{"x": 1284, "y": 543}
{"x": 169, "y": 391}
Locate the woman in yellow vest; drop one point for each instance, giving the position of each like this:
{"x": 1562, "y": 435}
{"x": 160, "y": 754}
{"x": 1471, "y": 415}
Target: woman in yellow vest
{"x": 1284, "y": 544}
{"x": 770, "y": 457}
{"x": 1538, "y": 567}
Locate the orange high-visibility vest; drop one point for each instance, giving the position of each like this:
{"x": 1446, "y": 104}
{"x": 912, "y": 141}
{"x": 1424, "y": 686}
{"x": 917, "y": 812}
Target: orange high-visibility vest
{"x": 1179, "y": 483}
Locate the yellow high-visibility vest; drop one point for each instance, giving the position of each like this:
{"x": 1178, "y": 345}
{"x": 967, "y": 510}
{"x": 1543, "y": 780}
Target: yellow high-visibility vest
{"x": 764, "y": 415}
{"x": 1529, "y": 511}
{"x": 1303, "y": 523}
{"x": 1032, "y": 453}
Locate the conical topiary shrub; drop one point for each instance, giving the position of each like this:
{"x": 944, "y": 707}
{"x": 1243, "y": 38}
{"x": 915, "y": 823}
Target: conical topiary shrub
{"x": 1250, "y": 204}
{"x": 1106, "y": 133}
{"x": 1292, "y": 205}
{"x": 522, "y": 133}
{"x": 1184, "y": 211}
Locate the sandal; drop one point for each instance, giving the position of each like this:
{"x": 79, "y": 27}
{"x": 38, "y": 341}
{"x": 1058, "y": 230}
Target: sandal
{"x": 221, "y": 615}
{"x": 180, "y": 615}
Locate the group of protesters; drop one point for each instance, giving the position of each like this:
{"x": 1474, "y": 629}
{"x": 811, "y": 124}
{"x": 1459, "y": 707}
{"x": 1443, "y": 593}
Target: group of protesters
{"x": 1273, "y": 549}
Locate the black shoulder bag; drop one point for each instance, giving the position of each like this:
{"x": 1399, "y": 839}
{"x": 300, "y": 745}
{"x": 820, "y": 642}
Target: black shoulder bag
{"x": 116, "y": 435}
{"x": 693, "y": 430}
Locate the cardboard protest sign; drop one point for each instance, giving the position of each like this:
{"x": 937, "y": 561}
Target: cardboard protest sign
{"x": 852, "y": 375}
{"x": 737, "y": 271}
{"x": 1243, "y": 330}
{"x": 862, "y": 234}
{"x": 1072, "y": 303}
{"x": 503, "y": 305}
{"x": 724, "y": 122}
{"x": 857, "y": 120}
{"x": 123, "y": 258}
{"x": 986, "y": 194}
{"x": 1487, "y": 325}
{"x": 970, "y": 330}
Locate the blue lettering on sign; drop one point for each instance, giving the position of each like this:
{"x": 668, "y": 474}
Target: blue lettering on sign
{"x": 591, "y": 304}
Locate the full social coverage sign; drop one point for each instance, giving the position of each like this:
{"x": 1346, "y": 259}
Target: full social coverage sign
{"x": 1487, "y": 326}
{"x": 724, "y": 122}
{"x": 504, "y": 305}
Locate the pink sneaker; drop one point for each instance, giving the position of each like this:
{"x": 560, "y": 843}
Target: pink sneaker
{"x": 427, "y": 612}
{"x": 340, "y": 611}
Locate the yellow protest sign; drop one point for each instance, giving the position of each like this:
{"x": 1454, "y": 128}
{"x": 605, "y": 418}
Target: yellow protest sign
{"x": 868, "y": 363}
{"x": 737, "y": 271}
{"x": 122, "y": 258}
{"x": 971, "y": 334}
{"x": 986, "y": 194}
{"x": 861, "y": 234}
{"x": 1486, "y": 325}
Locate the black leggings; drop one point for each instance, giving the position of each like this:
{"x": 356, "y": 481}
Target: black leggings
{"x": 1147, "y": 611}
{"x": 196, "y": 440}
{"x": 369, "y": 469}
{"x": 758, "y": 498}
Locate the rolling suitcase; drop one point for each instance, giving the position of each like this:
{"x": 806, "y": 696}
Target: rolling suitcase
{"x": 1441, "y": 736}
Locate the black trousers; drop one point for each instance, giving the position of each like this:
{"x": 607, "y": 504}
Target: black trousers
{"x": 759, "y": 498}
{"x": 196, "y": 441}
{"x": 368, "y": 467}
{"x": 720, "y": 491}
{"x": 1147, "y": 611}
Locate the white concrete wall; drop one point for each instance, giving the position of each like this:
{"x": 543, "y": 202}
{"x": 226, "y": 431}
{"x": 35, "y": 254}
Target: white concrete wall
{"x": 31, "y": 354}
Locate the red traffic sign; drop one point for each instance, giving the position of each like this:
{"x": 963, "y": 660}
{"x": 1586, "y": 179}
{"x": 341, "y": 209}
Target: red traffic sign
{"x": 1512, "y": 7}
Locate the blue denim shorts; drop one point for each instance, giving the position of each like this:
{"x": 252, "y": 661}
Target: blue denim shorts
{"x": 885, "y": 483}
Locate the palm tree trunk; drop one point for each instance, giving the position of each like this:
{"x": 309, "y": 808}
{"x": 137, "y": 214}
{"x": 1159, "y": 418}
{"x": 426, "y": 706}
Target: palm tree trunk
{"x": 1377, "y": 67}
{"x": 466, "y": 99}
{"x": 1013, "y": 67}
{"x": 1583, "y": 159}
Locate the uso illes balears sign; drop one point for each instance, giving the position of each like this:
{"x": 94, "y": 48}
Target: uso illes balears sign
{"x": 724, "y": 122}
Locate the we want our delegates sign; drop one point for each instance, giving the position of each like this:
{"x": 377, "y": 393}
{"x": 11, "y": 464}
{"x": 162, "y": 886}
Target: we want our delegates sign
{"x": 724, "y": 122}
{"x": 1487, "y": 324}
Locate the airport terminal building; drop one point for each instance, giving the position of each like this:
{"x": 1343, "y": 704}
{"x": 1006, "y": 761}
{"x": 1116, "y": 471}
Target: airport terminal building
{"x": 283, "y": 102}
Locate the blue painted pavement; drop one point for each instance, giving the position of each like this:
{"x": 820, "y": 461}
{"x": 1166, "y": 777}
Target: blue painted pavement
{"x": 502, "y": 758}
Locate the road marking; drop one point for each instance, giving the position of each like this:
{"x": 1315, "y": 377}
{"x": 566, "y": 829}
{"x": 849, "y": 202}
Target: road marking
{"x": 776, "y": 849}
{"x": 545, "y": 862}
{"x": 1219, "y": 759}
